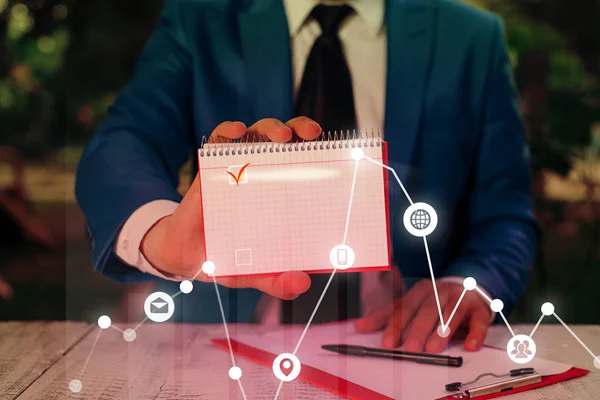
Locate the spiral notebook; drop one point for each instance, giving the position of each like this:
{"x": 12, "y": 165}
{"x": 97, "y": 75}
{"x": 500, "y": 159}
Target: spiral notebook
{"x": 273, "y": 207}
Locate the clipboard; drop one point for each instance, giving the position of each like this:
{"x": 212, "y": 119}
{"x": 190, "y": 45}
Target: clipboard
{"x": 354, "y": 391}
{"x": 517, "y": 385}
{"x": 477, "y": 388}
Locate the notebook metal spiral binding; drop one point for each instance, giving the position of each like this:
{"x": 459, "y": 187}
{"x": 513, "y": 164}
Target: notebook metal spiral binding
{"x": 251, "y": 144}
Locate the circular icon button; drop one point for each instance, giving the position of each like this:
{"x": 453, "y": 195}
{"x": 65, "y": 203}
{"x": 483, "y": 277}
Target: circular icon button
{"x": 521, "y": 349}
{"x": 286, "y": 367}
{"x": 159, "y": 307}
{"x": 342, "y": 256}
{"x": 420, "y": 219}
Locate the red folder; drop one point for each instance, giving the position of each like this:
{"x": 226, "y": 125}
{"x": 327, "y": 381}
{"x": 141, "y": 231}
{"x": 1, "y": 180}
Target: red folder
{"x": 356, "y": 392}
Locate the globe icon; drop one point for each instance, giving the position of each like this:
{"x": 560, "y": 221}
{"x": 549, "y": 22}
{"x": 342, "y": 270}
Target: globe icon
{"x": 420, "y": 219}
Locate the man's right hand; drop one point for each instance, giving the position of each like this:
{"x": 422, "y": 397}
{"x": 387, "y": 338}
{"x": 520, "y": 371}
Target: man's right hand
{"x": 175, "y": 244}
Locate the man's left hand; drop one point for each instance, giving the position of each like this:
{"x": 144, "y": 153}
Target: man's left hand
{"x": 416, "y": 313}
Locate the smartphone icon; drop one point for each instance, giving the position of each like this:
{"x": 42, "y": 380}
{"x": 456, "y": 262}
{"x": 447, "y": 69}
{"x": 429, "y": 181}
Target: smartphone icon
{"x": 342, "y": 256}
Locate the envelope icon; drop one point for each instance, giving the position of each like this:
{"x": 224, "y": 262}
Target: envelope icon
{"x": 159, "y": 306}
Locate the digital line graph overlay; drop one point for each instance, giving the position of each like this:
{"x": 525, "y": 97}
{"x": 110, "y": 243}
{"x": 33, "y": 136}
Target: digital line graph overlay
{"x": 420, "y": 219}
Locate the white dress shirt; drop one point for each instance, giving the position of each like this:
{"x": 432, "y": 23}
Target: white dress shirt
{"x": 363, "y": 37}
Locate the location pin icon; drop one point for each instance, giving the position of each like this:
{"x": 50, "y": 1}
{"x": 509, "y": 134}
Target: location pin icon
{"x": 286, "y": 365}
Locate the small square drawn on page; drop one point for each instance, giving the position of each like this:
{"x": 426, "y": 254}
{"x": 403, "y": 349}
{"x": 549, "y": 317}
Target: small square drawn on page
{"x": 243, "y": 257}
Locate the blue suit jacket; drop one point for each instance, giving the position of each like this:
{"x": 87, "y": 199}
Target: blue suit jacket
{"x": 451, "y": 122}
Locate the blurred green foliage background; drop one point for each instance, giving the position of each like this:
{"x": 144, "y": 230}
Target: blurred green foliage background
{"x": 63, "y": 61}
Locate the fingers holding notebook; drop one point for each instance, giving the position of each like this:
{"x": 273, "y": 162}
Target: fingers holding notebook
{"x": 172, "y": 247}
{"x": 269, "y": 129}
{"x": 227, "y": 131}
{"x": 304, "y": 128}
{"x": 287, "y": 285}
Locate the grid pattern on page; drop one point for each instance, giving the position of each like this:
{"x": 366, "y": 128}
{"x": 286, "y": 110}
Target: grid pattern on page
{"x": 287, "y": 209}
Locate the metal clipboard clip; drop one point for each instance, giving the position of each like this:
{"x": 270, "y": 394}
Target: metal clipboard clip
{"x": 516, "y": 378}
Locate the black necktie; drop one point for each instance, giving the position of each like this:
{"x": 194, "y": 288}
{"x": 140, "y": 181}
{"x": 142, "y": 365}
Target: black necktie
{"x": 325, "y": 95}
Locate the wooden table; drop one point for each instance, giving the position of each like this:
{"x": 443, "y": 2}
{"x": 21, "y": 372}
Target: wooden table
{"x": 176, "y": 361}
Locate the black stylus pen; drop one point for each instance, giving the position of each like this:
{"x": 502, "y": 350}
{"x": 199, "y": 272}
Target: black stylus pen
{"x": 421, "y": 358}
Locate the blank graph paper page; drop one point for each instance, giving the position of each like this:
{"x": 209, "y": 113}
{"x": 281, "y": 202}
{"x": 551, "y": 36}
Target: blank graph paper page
{"x": 270, "y": 207}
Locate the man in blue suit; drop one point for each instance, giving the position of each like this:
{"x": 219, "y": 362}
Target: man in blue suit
{"x": 432, "y": 75}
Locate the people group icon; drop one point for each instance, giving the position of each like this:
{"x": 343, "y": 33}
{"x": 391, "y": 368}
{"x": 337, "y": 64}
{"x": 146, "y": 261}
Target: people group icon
{"x": 521, "y": 349}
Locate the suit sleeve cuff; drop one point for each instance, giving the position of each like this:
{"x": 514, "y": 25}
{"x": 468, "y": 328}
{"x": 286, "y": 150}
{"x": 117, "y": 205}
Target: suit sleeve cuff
{"x": 459, "y": 280}
{"x": 127, "y": 246}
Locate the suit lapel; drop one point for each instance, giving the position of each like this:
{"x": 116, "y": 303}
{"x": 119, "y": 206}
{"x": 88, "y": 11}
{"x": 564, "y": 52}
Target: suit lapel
{"x": 410, "y": 29}
{"x": 266, "y": 50}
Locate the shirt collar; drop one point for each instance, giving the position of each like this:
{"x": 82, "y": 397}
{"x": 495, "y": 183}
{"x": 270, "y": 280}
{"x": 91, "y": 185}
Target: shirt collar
{"x": 371, "y": 11}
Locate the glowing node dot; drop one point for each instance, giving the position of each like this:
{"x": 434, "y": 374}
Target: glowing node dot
{"x": 496, "y": 305}
{"x": 75, "y": 386}
{"x": 357, "y": 153}
{"x": 104, "y": 321}
{"x": 469, "y": 283}
{"x": 208, "y": 267}
{"x": 443, "y": 332}
{"x": 186, "y": 286}
{"x": 597, "y": 362}
{"x": 129, "y": 335}
{"x": 235, "y": 373}
{"x": 547, "y": 309}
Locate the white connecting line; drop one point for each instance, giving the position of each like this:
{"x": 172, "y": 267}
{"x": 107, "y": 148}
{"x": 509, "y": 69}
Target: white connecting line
{"x": 547, "y": 308}
{"x": 395, "y": 176}
{"x": 444, "y": 325}
{"x": 536, "y": 326}
{"x": 278, "y": 390}
{"x": 75, "y": 385}
{"x": 335, "y": 269}
{"x": 227, "y": 334}
{"x": 435, "y": 292}
{"x": 481, "y": 292}
{"x": 576, "y": 337}
{"x": 332, "y": 273}
{"x": 87, "y": 360}
{"x": 594, "y": 357}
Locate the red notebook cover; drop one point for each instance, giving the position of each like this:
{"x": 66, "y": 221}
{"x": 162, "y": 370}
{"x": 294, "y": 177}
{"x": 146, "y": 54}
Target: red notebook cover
{"x": 356, "y": 392}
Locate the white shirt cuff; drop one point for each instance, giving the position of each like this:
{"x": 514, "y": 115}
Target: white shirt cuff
{"x": 459, "y": 280}
{"x": 127, "y": 247}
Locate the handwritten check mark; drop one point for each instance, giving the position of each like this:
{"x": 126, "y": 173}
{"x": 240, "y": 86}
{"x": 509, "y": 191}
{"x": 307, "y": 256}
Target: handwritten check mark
{"x": 239, "y": 175}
